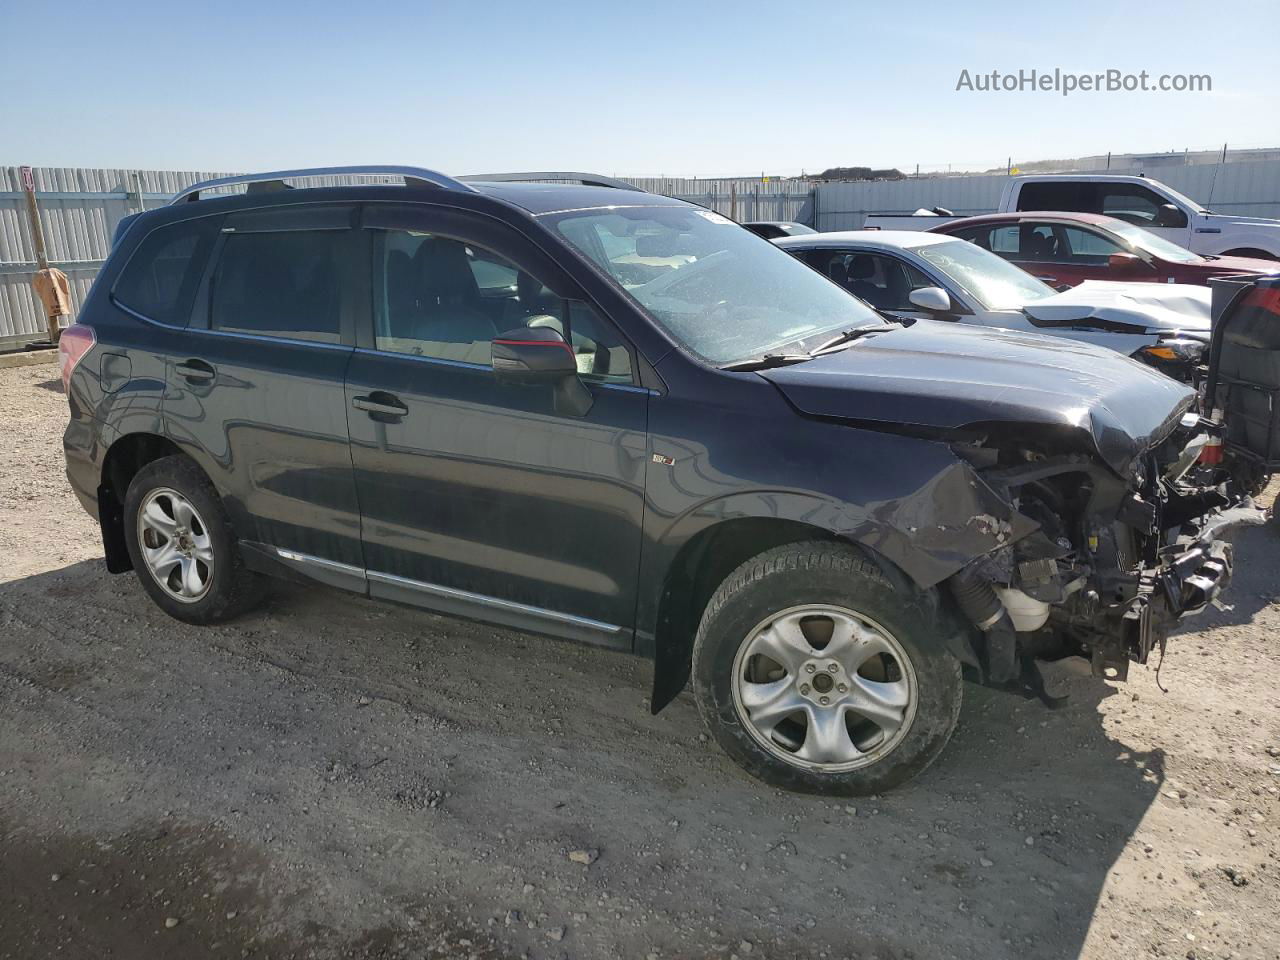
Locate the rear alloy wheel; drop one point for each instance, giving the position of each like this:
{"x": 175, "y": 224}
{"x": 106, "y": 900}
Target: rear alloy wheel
{"x": 176, "y": 548}
{"x": 182, "y": 545}
{"x": 816, "y": 675}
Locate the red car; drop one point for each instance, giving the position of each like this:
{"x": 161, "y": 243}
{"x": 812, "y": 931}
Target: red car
{"x": 1064, "y": 249}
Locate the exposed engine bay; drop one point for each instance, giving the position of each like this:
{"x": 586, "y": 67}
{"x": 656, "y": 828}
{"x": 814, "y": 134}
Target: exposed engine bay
{"x": 1114, "y": 564}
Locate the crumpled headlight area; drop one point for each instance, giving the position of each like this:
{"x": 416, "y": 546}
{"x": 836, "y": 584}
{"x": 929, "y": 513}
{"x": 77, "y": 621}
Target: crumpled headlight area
{"x": 1171, "y": 350}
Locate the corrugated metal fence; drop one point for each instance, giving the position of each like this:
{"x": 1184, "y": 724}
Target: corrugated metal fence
{"x": 79, "y": 209}
{"x": 741, "y": 199}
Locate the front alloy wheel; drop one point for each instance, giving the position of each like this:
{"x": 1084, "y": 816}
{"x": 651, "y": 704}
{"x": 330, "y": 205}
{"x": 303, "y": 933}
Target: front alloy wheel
{"x": 815, "y": 674}
{"x": 824, "y": 688}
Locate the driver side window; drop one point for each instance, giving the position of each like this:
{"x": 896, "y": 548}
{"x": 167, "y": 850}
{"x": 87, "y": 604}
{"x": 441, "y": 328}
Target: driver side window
{"x": 1090, "y": 248}
{"x": 447, "y": 298}
{"x": 1136, "y": 204}
{"x": 882, "y": 281}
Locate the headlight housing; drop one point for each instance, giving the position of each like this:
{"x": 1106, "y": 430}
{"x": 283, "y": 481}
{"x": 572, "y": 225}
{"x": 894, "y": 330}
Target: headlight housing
{"x": 1172, "y": 349}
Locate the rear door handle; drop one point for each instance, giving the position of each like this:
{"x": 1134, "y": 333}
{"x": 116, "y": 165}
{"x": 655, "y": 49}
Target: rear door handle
{"x": 195, "y": 370}
{"x": 383, "y": 403}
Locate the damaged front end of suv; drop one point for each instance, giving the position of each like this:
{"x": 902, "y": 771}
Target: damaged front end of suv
{"x": 1120, "y": 553}
{"x": 1109, "y": 525}
{"x": 1128, "y": 543}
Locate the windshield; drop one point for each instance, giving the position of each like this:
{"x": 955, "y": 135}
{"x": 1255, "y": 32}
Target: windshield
{"x": 991, "y": 280}
{"x": 1152, "y": 243}
{"x": 719, "y": 289}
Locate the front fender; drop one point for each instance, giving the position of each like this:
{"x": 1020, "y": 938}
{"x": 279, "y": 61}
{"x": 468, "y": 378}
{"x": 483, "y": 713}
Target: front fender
{"x": 923, "y": 537}
{"x": 1265, "y": 240}
{"x": 943, "y": 516}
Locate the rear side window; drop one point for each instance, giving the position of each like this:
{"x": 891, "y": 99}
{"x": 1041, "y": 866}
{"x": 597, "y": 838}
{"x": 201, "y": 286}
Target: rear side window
{"x": 1058, "y": 195}
{"x": 280, "y": 284}
{"x": 161, "y": 277}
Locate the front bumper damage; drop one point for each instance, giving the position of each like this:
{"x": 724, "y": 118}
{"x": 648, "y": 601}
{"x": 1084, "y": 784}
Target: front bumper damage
{"x": 1190, "y": 576}
{"x": 1115, "y": 564}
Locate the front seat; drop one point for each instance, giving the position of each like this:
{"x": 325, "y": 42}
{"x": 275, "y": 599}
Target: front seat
{"x": 534, "y": 306}
{"x": 1039, "y": 247}
{"x": 861, "y": 269}
{"x": 405, "y": 300}
{"x": 452, "y": 308}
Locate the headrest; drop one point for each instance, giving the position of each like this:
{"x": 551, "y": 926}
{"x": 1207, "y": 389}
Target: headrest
{"x": 862, "y": 267}
{"x": 446, "y": 271}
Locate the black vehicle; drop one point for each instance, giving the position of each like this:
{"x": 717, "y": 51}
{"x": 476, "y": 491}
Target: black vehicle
{"x": 773, "y": 229}
{"x": 600, "y": 414}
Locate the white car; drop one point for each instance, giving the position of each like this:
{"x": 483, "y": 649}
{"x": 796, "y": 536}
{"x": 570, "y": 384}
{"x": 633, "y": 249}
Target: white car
{"x": 914, "y": 276}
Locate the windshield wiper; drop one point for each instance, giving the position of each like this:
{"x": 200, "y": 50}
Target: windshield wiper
{"x": 848, "y": 336}
{"x": 768, "y": 361}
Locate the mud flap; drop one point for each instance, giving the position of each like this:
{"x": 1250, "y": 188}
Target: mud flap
{"x": 111, "y": 522}
{"x": 672, "y": 665}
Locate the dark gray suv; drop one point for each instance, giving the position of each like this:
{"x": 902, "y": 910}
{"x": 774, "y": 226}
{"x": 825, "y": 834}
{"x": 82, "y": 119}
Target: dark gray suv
{"x": 584, "y": 410}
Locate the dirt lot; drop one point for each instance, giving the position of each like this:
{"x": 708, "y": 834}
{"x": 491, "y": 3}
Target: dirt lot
{"x": 332, "y": 777}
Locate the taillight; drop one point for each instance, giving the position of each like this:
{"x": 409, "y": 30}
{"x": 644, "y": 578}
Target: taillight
{"x": 75, "y": 342}
{"x": 1263, "y": 298}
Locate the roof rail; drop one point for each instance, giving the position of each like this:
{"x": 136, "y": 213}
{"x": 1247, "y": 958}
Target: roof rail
{"x": 586, "y": 179}
{"x": 267, "y": 182}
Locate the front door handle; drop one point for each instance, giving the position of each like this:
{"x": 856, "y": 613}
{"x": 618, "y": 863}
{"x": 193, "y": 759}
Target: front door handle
{"x": 196, "y": 370}
{"x": 380, "y": 403}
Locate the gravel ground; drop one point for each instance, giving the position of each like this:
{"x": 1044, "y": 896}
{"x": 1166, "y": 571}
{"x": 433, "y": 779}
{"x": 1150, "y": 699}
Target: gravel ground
{"x": 330, "y": 777}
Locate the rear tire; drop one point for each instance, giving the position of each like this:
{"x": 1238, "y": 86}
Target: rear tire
{"x": 816, "y": 676}
{"x": 182, "y": 546}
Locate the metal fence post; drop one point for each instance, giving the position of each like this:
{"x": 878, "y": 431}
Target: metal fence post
{"x": 133, "y": 186}
{"x": 33, "y": 215}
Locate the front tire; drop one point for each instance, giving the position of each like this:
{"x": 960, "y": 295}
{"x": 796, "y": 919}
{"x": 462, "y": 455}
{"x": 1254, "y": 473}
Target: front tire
{"x": 182, "y": 546}
{"x": 815, "y": 676}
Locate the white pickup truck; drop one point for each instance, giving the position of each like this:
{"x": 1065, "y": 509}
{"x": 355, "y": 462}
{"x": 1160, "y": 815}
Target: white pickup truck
{"x": 1148, "y": 203}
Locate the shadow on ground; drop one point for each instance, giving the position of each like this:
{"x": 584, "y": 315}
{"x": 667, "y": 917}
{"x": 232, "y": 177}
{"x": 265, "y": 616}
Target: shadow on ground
{"x": 334, "y": 777}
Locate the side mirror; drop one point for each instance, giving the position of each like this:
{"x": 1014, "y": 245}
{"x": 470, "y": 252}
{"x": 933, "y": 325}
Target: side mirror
{"x": 1125, "y": 262}
{"x": 932, "y": 299}
{"x": 533, "y": 355}
{"x": 1170, "y": 216}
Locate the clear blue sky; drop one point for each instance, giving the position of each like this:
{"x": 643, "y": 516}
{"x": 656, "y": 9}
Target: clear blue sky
{"x": 682, "y": 89}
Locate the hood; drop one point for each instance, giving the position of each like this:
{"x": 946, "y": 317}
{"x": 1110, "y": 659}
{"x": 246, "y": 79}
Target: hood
{"x": 1147, "y": 307}
{"x": 942, "y": 377}
{"x": 1241, "y": 264}
{"x": 1226, "y": 218}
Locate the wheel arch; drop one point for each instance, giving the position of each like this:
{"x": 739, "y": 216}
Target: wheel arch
{"x": 1255, "y": 252}
{"x": 124, "y": 458}
{"x": 706, "y": 559}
